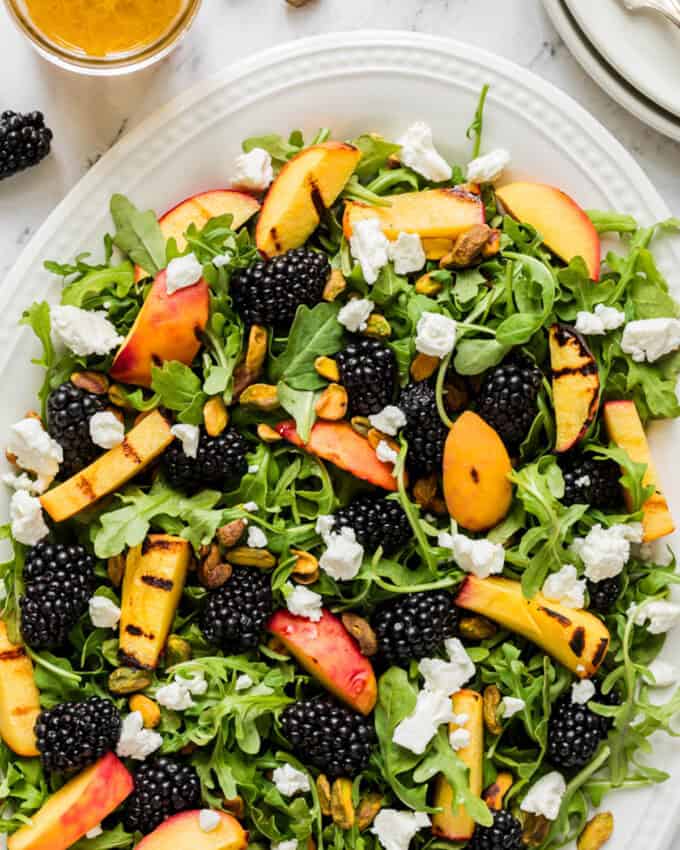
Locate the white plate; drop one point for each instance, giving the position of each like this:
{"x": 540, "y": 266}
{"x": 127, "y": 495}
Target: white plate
{"x": 353, "y": 83}
{"x": 606, "y": 76}
{"x": 642, "y": 46}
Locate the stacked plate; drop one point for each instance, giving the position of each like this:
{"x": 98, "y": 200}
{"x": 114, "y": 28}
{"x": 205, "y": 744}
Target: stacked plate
{"x": 634, "y": 56}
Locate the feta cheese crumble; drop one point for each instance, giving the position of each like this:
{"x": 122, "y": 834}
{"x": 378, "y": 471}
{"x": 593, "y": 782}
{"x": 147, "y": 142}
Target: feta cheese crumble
{"x": 34, "y": 449}
{"x": 343, "y": 556}
{"x": 389, "y": 420}
{"x": 26, "y": 516}
{"x": 189, "y": 436}
{"x": 662, "y": 615}
{"x": 602, "y": 320}
{"x": 435, "y": 334}
{"x": 84, "y": 332}
{"x": 177, "y": 695}
{"x": 369, "y": 247}
{"x": 182, "y": 272}
{"x": 257, "y": 539}
{"x": 565, "y": 587}
{"x": 208, "y": 820}
{"x": 251, "y": 507}
{"x": 480, "y": 557}
{"x": 582, "y": 692}
{"x": 291, "y": 844}
{"x": 651, "y": 339}
{"x": 104, "y": 613}
{"x": 545, "y": 796}
{"x": 510, "y": 706}
{"x": 487, "y": 168}
{"x": 290, "y": 781}
{"x": 416, "y": 731}
{"x": 386, "y": 453}
{"x": 253, "y": 171}
{"x": 106, "y": 430}
{"x": 448, "y": 677}
{"x": 25, "y": 482}
{"x": 606, "y": 551}
{"x": 243, "y": 682}
{"x": 664, "y": 674}
{"x": 135, "y": 741}
{"x": 407, "y": 253}
{"x": 222, "y": 260}
{"x": 303, "y": 602}
{"x": 355, "y": 313}
{"x": 324, "y": 525}
{"x": 459, "y": 739}
{"x": 395, "y": 830}
{"x": 419, "y": 153}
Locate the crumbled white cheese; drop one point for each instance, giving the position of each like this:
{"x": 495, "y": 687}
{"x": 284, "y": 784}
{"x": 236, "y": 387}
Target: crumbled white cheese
{"x": 95, "y": 832}
{"x": 34, "y": 449}
{"x": 435, "y": 334}
{"x": 324, "y": 524}
{"x": 369, "y": 245}
{"x": 28, "y": 523}
{"x": 285, "y": 845}
{"x": 407, "y": 253}
{"x": 419, "y": 153}
{"x": 106, "y": 430}
{"x": 545, "y": 796}
{"x": 222, "y": 260}
{"x": 662, "y": 615}
{"x": 650, "y": 339}
{"x": 104, "y": 613}
{"x": 606, "y": 551}
{"x": 600, "y": 321}
{"x": 386, "y": 453}
{"x": 208, "y": 820}
{"x": 84, "y": 332}
{"x": 343, "y": 556}
{"x": 24, "y": 482}
{"x": 510, "y": 706}
{"x": 354, "y": 315}
{"x": 253, "y": 469}
{"x": 189, "y": 436}
{"x": 448, "y": 677}
{"x": 257, "y": 539}
{"x": 303, "y": 602}
{"x": 664, "y": 674}
{"x": 487, "y": 168}
{"x": 182, "y": 272}
{"x": 174, "y": 696}
{"x": 459, "y": 739}
{"x": 135, "y": 741}
{"x": 243, "y": 682}
{"x": 253, "y": 171}
{"x": 389, "y": 420}
{"x": 480, "y": 557}
{"x": 395, "y": 830}
{"x": 251, "y": 507}
{"x": 416, "y": 731}
{"x": 582, "y": 692}
{"x": 290, "y": 781}
{"x": 565, "y": 587}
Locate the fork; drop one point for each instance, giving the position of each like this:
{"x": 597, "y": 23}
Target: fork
{"x": 670, "y": 9}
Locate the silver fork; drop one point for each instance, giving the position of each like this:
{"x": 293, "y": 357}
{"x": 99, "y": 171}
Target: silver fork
{"x": 670, "y": 9}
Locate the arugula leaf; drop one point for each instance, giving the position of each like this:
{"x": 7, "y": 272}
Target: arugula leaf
{"x": 315, "y": 331}
{"x": 375, "y": 152}
{"x": 612, "y": 222}
{"x": 300, "y": 404}
{"x": 276, "y": 146}
{"x": 474, "y": 131}
{"x": 179, "y": 389}
{"x": 83, "y": 292}
{"x": 108, "y": 840}
{"x": 138, "y": 235}
{"x": 474, "y": 356}
{"x": 632, "y": 476}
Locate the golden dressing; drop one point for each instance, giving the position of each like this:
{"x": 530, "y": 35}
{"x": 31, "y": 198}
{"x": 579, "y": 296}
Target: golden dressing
{"x": 103, "y": 27}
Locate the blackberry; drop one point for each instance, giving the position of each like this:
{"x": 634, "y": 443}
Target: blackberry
{"x": 424, "y": 431}
{"x": 588, "y": 481}
{"x": 507, "y": 399}
{"x": 218, "y": 460}
{"x": 376, "y": 522}
{"x": 575, "y": 732}
{"x": 269, "y": 293}
{"x": 504, "y": 834}
{"x": 414, "y": 625}
{"x": 69, "y": 410}
{"x": 163, "y": 787}
{"x": 59, "y": 580}
{"x": 24, "y": 141}
{"x": 368, "y": 371}
{"x": 329, "y": 736}
{"x": 604, "y": 594}
{"x": 235, "y": 613}
{"x": 73, "y": 735}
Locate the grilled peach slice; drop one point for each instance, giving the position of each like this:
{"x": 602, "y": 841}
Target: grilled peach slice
{"x": 493, "y": 795}
{"x": 19, "y": 697}
{"x": 575, "y": 385}
{"x": 328, "y": 651}
{"x": 576, "y": 638}
{"x": 625, "y": 429}
{"x": 564, "y": 226}
{"x": 305, "y": 187}
{"x": 184, "y": 831}
{"x": 340, "y": 444}
{"x": 477, "y": 489}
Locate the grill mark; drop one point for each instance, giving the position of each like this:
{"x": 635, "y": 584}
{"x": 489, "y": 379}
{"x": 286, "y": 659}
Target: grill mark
{"x": 23, "y": 710}
{"x": 158, "y": 583}
{"x": 474, "y": 474}
{"x": 156, "y": 360}
{"x": 12, "y": 654}
{"x": 160, "y": 544}
{"x": 578, "y": 642}
{"x": 84, "y": 485}
{"x": 561, "y": 619}
{"x": 273, "y": 232}
{"x": 133, "y": 630}
{"x": 600, "y": 651}
{"x": 585, "y": 370}
{"x": 129, "y": 452}
{"x": 130, "y": 661}
{"x": 317, "y": 198}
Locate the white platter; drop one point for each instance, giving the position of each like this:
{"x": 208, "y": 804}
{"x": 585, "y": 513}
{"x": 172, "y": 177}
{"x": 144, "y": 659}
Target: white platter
{"x": 354, "y": 83}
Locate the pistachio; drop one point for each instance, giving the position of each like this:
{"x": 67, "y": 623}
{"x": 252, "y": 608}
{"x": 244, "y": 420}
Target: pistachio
{"x": 11, "y": 457}
{"x": 456, "y": 395}
{"x": 91, "y": 382}
{"x": 423, "y": 366}
{"x": 261, "y": 396}
{"x": 115, "y": 569}
{"x": 128, "y": 680}
{"x": 151, "y": 713}
{"x": 493, "y": 246}
{"x": 247, "y": 372}
{"x": 535, "y": 829}
{"x": 305, "y": 563}
{"x": 312, "y": 578}
{"x": 377, "y": 327}
{"x": 327, "y": 368}
{"x": 490, "y": 701}
{"x": 476, "y": 627}
{"x": 212, "y": 571}
{"x": 425, "y": 489}
{"x": 597, "y": 832}
{"x": 332, "y": 403}
{"x": 376, "y": 437}
{"x": 342, "y": 807}
{"x": 235, "y": 806}
{"x": 117, "y": 396}
{"x": 426, "y": 286}
{"x": 177, "y": 650}
{"x": 368, "y": 808}
{"x": 244, "y": 556}
{"x": 323, "y": 789}
{"x": 335, "y": 284}
{"x": 230, "y": 534}
{"x": 215, "y": 416}
{"x": 467, "y": 247}
{"x": 494, "y": 794}
{"x": 362, "y": 632}
{"x": 267, "y": 434}
{"x": 361, "y": 425}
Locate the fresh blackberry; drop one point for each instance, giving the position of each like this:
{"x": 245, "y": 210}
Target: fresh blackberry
{"x": 376, "y": 522}
{"x": 24, "y": 141}
{"x": 73, "y": 735}
{"x": 269, "y": 293}
{"x": 163, "y": 787}
{"x": 69, "y": 410}
{"x": 414, "y": 625}
{"x": 368, "y": 371}
{"x": 588, "y": 481}
{"x": 235, "y": 613}
{"x": 59, "y": 580}
{"x": 424, "y": 431}
{"x": 504, "y": 834}
{"x": 575, "y": 732}
{"x": 604, "y": 594}
{"x": 507, "y": 399}
{"x": 218, "y": 460}
{"x": 329, "y": 736}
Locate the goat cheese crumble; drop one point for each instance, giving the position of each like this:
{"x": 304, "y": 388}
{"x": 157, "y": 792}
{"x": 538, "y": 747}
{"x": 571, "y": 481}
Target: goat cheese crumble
{"x": 84, "y": 332}
{"x": 651, "y": 339}
{"x": 369, "y": 247}
{"x": 565, "y": 587}
{"x": 208, "y": 820}
{"x": 355, "y": 314}
{"x": 135, "y": 741}
{"x": 459, "y": 739}
{"x": 243, "y": 682}
{"x": 435, "y": 334}
{"x": 303, "y": 602}
{"x": 182, "y": 272}
{"x": 407, "y": 253}
{"x": 106, "y": 430}
{"x": 488, "y": 168}
{"x": 602, "y": 320}
{"x": 389, "y": 420}
{"x": 26, "y": 517}
{"x": 104, "y": 613}
{"x": 386, "y": 453}
{"x": 189, "y": 436}
{"x": 253, "y": 171}
{"x": 545, "y": 796}
{"x": 480, "y": 557}
{"x": 510, "y": 706}
{"x": 257, "y": 539}
{"x": 448, "y": 676}
{"x": 606, "y": 551}
{"x": 663, "y": 674}
{"x": 419, "y": 153}
{"x": 661, "y": 614}
{"x": 343, "y": 556}
{"x": 416, "y": 731}
{"x": 582, "y": 692}
{"x": 290, "y": 781}
{"x": 395, "y": 830}
{"x": 34, "y": 449}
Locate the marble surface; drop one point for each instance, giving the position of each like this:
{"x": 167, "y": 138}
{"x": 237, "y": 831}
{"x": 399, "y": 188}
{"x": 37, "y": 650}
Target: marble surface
{"x": 89, "y": 115}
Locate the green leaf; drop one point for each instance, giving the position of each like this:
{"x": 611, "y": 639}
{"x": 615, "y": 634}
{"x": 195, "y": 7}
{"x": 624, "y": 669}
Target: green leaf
{"x": 300, "y": 405}
{"x": 276, "y": 146}
{"x": 612, "y": 222}
{"x": 474, "y": 131}
{"x": 138, "y": 235}
{"x": 314, "y": 332}
{"x": 474, "y": 356}
{"x": 108, "y": 840}
{"x": 120, "y": 279}
{"x": 632, "y": 475}
{"x": 518, "y": 329}
{"x": 179, "y": 389}
{"x": 375, "y": 151}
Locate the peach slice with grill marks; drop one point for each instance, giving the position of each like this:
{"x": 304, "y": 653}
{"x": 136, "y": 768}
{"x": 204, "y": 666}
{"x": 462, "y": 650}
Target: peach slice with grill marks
{"x": 575, "y": 385}
{"x": 183, "y": 831}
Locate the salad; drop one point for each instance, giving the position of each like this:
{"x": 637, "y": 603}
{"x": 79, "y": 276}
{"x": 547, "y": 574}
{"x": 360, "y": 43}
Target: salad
{"x": 335, "y": 523}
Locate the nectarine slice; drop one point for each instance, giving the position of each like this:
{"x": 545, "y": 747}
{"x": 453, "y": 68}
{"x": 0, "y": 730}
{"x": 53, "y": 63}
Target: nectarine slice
{"x": 477, "y": 489}
{"x": 575, "y": 386}
{"x": 328, "y": 651}
{"x": 624, "y": 427}
{"x": 564, "y": 226}
{"x": 183, "y": 832}
{"x": 19, "y": 697}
